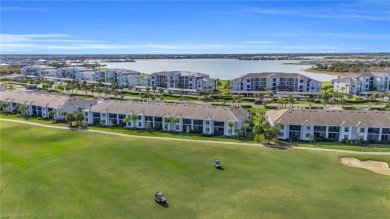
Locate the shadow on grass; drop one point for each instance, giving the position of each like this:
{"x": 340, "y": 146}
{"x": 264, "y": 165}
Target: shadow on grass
{"x": 165, "y": 205}
{"x": 280, "y": 147}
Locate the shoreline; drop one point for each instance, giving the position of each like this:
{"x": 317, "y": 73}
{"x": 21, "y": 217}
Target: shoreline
{"x": 308, "y": 70}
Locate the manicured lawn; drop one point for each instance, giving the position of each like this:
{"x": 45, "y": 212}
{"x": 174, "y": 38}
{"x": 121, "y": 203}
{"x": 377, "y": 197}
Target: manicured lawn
{"x": 340, "y": 146}
{"x": 50, "y": 173}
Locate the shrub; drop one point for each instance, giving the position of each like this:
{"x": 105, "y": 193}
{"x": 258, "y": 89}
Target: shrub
{"x": 271, "y": 107}
{"x": 325, "y": 140}
{"x": 317, "y": 101}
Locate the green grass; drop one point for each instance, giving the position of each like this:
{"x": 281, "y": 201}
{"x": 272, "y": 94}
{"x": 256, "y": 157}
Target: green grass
{"x": 339, "y": 146}
{"x": 49, "y": 173}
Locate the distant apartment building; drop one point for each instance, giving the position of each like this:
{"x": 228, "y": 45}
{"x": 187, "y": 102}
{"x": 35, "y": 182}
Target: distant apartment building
{"x": 211, "y": 120}
{"x": 128, "y": 78}
{"x": 297, "y": 124}
{"x": 40, "y": 104}
{"x": 39, "y": 71}
{"x": 357, "y": 83}
{"x": 275, "y": 81}
{"x": 181, "y": 79}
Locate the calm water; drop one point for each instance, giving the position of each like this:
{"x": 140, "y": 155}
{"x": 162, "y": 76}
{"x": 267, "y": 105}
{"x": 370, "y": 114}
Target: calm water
{"x": 217, "y": 68}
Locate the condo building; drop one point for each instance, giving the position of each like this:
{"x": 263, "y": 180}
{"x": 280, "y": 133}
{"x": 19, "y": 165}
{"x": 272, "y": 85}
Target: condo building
{"x": 181, "y": 79}
{"x": 297, "y": 124}
{"x": 40, "y": 104}
{"x": 358, "y": 83}
{"x": 211, "y": 120}
{"x": 275, "y": 81}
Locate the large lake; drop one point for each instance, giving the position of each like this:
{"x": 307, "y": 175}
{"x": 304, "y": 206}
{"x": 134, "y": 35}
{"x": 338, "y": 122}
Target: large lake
{"x": 217, "y": 68}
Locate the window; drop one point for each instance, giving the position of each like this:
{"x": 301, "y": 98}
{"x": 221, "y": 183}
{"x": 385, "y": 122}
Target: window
{"x": 207, "y": 122}
{"x": 307, "y": 127}
{"x": 362, "y": 129}
{"x": 346, "y": 129}
{"x": 139, "y": 117}
{"x": 345, "y": 136}
{"x": 139, "y": 124}
{"x": 281, "y": 126}
{"x": 207, "y": 129}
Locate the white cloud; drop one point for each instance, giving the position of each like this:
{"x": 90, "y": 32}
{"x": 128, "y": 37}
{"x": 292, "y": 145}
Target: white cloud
{"x": 333, "y": 13}
{"x": 14, "y": 8}
{"x": 64, "y": 43}
{"x": 259, "y": 42}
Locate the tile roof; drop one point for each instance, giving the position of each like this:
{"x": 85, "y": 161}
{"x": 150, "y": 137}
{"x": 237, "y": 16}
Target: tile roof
{"x": 331, "y": 117}
{"x": 43, "y": 99}
{"x": 188, "y": 111}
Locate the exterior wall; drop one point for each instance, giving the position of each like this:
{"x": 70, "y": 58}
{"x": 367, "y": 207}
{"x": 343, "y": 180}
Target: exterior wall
{"x": 346, "y": 132}
{"x": 208, "y": 125}
{"x": 364, "y": 83}
{"x": 276, "y": 82}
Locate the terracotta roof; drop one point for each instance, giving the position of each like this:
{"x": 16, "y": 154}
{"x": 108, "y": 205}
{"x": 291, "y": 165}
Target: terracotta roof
{"x": 188, "y": 111}
{"x": 331, "y": 117}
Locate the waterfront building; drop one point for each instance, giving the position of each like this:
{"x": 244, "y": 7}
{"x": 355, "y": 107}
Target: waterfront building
{"x": 362, "y": 83}
{"x": 275, "y": 81}
{"x": 182, "y": 80}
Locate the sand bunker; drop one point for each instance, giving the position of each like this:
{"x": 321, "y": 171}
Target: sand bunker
{"x": 374, "y": 166}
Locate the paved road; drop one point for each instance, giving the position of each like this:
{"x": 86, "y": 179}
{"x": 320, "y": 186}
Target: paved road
{"x": 201, "y": 141}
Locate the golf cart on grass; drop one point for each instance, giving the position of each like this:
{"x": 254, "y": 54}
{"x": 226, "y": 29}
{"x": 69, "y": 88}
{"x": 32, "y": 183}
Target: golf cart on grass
{"x": 217, "y": 164}
{"x": 159, "y": 198}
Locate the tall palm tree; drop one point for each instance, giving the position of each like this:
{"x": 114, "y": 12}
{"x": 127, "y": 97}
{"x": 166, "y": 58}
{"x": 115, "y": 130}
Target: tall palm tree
{"x": 161, "y": 91}
{"x": 126, "y": 120}
{"x": 257, "y": 131}
{"x": 231, "y": 125}
{"x": 168, "y": 121}
{"x": 175, "y": 121}
{"x": 291, "y": 101}
{"x": 245, "y": 127}
{"x": 133, "y": 118}
{"x": 51, "y": 115}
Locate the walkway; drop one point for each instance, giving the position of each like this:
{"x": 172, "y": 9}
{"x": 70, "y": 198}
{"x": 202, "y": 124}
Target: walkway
{"x": 199, "y": 141}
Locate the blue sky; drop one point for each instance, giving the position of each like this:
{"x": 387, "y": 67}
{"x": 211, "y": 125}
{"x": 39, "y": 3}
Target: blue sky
{"x": 132, "y": 27}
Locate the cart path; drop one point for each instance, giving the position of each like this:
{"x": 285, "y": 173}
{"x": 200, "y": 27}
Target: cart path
{"x": 199, "y": 141}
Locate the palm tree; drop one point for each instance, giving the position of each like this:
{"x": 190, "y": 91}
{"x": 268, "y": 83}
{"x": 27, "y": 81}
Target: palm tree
{"x": 126, "y": 120}
{"x": 70, "y": 117}
{"x": 237, "y": 131}
{"x": 154, "y": 88}
{"x": 148, "y": 125}
{"x": 78, "y": 117}
{"x": 133, "y": 118}
{"x": 23, "y": 109}
{"x": 168, "y": 121}
{"x": 291, "y": 101}
{"x": 245, "y": 127}
{"x": 175, "y": 121}
{"x": 161, "y": 91}
{"x": 231, "y": 125}
{"x": 51, "y": 115}
{"x": 257, "y": 131}
{"x": 3, "y": 106}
